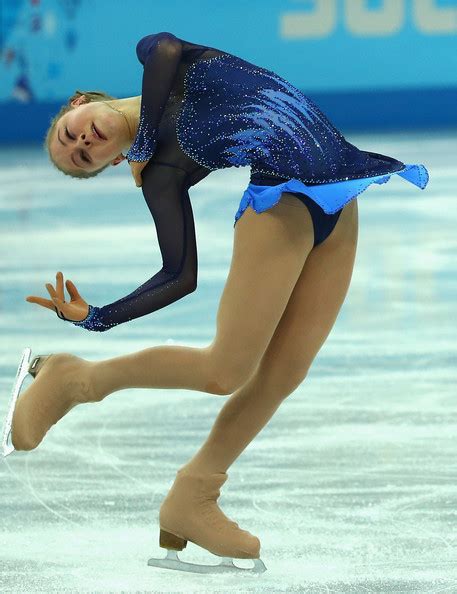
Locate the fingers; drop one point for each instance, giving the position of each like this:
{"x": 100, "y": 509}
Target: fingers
{"x": 132, "y": 169}
{"x": 137, "y": 178}
{"x": 58, "y": 303}
{"x": 51, "y": 291}
{"x": 59, "y": 286}
{"x": 72, "y": 290}
{"x": 40, "y": 301}
{"x": 57, "y": 296}
{"x": 58, "y": 292}
{"x": 136, "y": 168}
{"x": 55, "y": 299}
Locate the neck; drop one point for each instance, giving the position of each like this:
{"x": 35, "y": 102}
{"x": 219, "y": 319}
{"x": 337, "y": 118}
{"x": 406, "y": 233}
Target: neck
{"x": 130, "y": 109}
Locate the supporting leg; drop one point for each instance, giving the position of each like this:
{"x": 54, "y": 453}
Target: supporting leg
{"x": 241, "y": 418}
{"x": 304, "y": 326}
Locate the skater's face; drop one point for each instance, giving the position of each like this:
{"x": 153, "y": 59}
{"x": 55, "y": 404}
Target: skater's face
{"x": 88, "y": 137}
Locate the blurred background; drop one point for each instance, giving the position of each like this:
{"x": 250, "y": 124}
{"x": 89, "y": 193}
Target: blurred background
{"x": 368, "y": 63}
{"x": 351, "y": 485}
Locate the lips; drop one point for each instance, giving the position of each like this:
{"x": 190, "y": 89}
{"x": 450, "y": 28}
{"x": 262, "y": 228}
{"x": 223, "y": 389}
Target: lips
{"x": 98, "y": 132}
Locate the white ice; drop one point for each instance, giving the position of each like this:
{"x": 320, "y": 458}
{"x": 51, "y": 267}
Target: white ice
{"x": 351, "y": 487}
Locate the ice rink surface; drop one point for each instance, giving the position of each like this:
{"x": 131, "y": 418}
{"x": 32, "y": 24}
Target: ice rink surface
{"x": 351, "y": 487}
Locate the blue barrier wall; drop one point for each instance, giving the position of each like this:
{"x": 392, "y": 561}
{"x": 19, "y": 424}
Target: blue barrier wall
{"x": 377, "y": 64}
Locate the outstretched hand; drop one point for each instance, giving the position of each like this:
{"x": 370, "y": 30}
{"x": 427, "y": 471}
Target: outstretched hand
{"x": 74, "y": 311}
{"x": 136, "y": 168}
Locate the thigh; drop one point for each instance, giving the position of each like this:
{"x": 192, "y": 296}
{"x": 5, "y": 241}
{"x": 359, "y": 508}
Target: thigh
{"x": 269, "y": 251}
{"x": 313, "y": 306}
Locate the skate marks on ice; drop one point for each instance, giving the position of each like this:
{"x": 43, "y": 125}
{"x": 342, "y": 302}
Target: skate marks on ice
{"x": 352, "y": 482}
{"x": 172, "y": 561}
{"x": 69, "y": 442}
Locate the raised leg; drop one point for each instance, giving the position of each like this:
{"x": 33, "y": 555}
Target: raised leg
{"x": 268, "y": 255}
{"x": 188, "y": 368}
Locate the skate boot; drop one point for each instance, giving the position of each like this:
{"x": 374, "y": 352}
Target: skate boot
{"x": 190, "y": 513}
{"x": 50, "y": 396}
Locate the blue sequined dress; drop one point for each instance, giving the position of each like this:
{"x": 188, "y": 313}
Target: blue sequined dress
{"x": 203, "y": 109}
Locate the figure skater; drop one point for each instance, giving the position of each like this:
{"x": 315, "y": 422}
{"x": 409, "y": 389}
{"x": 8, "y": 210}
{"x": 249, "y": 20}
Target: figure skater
{"x": 295, "y": 238}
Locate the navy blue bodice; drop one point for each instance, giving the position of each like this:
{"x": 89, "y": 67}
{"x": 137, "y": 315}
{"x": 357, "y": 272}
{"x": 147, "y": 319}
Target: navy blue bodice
{"x": 203, "y": 109}
{"x": 237, "y": 114}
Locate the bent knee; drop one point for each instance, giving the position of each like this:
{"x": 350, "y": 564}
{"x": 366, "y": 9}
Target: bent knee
{"x": 225, "y": 383}
{"x": 216, "y": 387}
{"x": 228, "y": 375}
{"x": 226, "y": 386}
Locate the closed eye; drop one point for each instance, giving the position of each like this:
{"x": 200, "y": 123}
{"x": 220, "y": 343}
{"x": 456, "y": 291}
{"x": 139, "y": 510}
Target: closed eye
{"x": 82, "y": 154}
{"x": 68, "y": 133}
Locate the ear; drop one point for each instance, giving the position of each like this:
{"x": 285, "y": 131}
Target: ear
{"x": 79, "y": 101}
{"x": 118, "y": 159}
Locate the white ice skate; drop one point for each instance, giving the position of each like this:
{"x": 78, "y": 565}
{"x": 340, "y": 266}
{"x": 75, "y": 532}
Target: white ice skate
{"x": 22, "y": 371}
{"x": 172, "y": 561}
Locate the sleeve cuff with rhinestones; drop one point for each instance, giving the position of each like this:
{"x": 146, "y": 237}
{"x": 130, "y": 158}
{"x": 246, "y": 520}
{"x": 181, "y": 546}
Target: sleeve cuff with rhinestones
{"x": 92, "y": 321}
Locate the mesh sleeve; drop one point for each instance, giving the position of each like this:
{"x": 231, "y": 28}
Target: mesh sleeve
{"x": 168, "y": 201}
{"x": 160, "y": 55}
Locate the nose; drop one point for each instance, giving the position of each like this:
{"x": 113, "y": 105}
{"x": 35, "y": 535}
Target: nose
{"x": 85, "y": 139}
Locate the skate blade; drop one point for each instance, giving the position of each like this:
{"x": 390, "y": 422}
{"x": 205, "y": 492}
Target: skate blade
{"x": 21, "y": 374}
{"x": 172, "y": 561}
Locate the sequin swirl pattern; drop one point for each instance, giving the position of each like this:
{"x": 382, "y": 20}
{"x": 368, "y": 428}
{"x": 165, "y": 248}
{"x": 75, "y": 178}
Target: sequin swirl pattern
{"x": 236, "y": 114}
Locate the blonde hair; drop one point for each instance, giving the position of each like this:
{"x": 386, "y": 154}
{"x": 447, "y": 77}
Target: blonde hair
{"x": 90, "y": 96}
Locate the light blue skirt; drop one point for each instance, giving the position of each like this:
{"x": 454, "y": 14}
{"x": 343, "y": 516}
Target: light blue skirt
{"x": 330, "y": 197}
